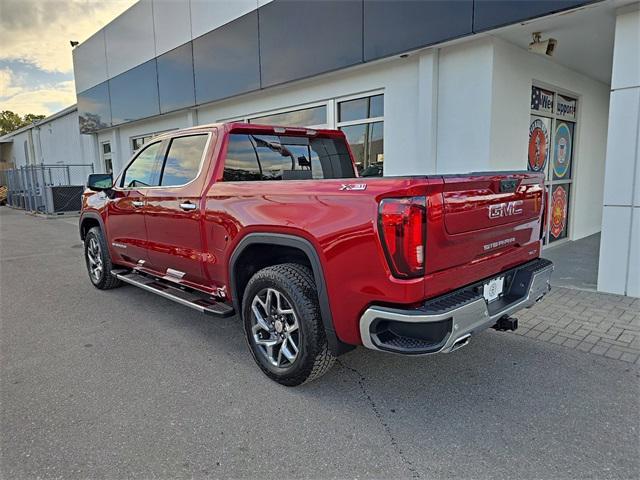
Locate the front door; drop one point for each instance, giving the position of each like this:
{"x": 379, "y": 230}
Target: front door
{"x": 126, "y": 223}
{"x": 173, "y": 213}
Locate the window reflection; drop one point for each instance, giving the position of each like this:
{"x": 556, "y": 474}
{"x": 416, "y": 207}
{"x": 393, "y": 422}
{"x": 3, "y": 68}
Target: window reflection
{"x": 183, "y": 160}
{"x": 145, "y": 169}
{"x": 273, "y": 157}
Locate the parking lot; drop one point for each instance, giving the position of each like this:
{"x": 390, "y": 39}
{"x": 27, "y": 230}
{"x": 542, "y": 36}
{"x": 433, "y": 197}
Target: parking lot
{"x": 122, "y": 383}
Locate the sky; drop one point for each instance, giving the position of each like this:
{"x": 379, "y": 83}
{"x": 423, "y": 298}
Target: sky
{"x": 36, "y": 70}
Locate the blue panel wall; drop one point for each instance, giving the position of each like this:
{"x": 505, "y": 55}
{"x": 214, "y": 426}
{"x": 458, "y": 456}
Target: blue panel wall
{"x": 226, "y": 60}
{"x": 94, "y": 108}
{"x": 395, "y": 26}
{"x": 302, "y": 39}
{"x": 134, "y": 94}
{"x": 175, "y": 79}
{"x": 287, "y": 40}
{"x": 490, "y": 14}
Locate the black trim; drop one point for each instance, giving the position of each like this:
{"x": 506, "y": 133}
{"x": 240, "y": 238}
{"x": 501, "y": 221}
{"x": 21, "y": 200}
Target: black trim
{"x": 336, "y": 346}
{"x": 92, "y": 215}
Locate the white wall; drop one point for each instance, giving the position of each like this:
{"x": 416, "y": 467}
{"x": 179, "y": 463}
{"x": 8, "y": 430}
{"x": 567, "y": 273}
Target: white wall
{"x": 464, "y": 107}
{"x": 403, "y": 147}
{"x": 514, "y": 70}
{"x": 619, "y": 270}
{"x": 17, "y": 152}
{"x": 59, "y": 142}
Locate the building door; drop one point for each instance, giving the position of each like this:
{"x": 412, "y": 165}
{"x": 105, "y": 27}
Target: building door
{"x": 552, "y": 130}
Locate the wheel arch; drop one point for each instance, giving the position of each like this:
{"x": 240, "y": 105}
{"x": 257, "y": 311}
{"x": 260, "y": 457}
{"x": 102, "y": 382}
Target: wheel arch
{"x": 89, "y": 220}
{"x": 287, "y": 248}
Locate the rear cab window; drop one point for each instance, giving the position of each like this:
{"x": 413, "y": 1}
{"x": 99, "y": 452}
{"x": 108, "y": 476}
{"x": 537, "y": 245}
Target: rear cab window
{"x": 259, "y": 157}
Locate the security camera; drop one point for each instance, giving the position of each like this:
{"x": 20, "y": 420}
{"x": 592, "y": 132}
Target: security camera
{"x": 542, "y": 47}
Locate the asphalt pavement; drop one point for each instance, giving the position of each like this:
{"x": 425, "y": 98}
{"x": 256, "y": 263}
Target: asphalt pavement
{"x": 125, "y": 384}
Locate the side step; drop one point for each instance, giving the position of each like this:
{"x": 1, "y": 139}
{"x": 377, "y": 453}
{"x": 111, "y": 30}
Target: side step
{"x": 190, "y": 298}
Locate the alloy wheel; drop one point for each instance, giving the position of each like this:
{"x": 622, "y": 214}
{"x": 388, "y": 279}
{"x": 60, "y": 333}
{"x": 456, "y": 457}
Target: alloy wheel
{"x": 94, "y": 255}
{"x": 275, "y": 328}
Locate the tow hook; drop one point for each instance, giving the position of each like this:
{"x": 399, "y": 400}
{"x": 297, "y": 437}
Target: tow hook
{"x": 506, "y": 323}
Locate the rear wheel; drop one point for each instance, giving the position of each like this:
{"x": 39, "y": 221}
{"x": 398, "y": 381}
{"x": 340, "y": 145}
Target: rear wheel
{"x": 283, "y": 325}
{"x": 98, "y": 260}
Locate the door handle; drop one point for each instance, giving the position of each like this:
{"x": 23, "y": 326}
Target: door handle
{"x": 188, "y": 206}
{"x": 137, "y": 204}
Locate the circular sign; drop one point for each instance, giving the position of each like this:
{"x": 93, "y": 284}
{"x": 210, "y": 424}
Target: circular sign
{"x": 538, "y": 144}
{"x": 558, "y": 211}
{"x": 562, "y": 150}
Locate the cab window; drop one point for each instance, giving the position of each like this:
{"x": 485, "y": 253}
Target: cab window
{"x": 183, "y": 160}
{"x": 146, "y": 168}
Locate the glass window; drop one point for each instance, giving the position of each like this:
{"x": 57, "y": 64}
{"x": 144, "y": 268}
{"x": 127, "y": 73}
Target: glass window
{"x": 94, "y": 109}
{"x": 106, "y": 157}
{"x": 359, "y": 119}
{"x": 551, "y": 151}
{"x": 366, "y": 142}
{"x": 144, "y": 171}
{"x": 183, "y": 160}
{"x": 361, "y": 108}
{"x": 134, "y": 94}
{"x": 562, "y": 150}
{"x": 137, "y": 143}
{"x": 175, "y": 79}
{"x": 305, "y": 117}
{"x": 274, "y": 157}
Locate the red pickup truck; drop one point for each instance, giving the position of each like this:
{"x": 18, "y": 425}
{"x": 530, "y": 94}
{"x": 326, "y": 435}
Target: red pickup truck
{"x": 275, "y": 225}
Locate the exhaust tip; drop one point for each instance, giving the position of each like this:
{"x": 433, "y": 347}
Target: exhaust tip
{"x": 461, "y": 342}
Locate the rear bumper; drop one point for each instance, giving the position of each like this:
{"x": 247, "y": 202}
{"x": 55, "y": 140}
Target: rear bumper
{"x": 446, "y": 323}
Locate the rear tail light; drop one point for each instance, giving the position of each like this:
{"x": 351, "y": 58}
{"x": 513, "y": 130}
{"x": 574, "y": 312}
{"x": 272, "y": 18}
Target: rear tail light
{"x": 402, "y": 225}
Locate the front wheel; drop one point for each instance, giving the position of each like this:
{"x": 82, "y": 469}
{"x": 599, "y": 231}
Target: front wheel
{"x": 98, "y": 260}
{"x": 283, "y": 325}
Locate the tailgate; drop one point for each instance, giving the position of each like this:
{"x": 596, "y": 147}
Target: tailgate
{"x": 484, "y": 215}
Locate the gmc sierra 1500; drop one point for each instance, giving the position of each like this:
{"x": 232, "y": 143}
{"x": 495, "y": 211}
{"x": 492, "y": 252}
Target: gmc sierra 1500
{"x": 274, "y": 224}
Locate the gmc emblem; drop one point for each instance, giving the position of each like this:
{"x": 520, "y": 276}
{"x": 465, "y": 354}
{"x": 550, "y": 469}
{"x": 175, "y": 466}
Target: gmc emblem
{"x": 506, "y": 209}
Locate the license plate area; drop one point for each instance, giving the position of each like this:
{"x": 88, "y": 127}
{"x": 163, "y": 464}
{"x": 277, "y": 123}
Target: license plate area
{"x": 492, "y": 290}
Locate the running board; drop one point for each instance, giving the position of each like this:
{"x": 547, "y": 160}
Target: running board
{"x": 190, "y": 298}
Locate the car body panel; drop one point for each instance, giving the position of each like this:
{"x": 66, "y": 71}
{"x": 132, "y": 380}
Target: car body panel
{"x": 338, "y": 217}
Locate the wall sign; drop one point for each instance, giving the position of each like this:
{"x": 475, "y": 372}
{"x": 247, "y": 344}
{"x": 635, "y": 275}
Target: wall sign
{"x": 562, "y": 146}
{"x": 538, "y": 143}
{"x": 541, "y": 100}
{"x": 558, "y": 211}
{"x": 566, "y": 107}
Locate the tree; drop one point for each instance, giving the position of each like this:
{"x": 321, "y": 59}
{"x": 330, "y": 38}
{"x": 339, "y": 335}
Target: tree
{"x": 10, "y": 121}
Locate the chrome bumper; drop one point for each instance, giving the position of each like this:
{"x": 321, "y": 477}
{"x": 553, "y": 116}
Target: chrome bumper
{"x": 449, "y": 321}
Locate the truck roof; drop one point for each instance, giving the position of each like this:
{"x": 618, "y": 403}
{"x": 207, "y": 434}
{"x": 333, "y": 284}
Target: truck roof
{"x": 266, "y": 129}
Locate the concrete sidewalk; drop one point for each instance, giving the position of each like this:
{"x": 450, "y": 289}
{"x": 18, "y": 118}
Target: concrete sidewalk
{"x": 597, "y": 323}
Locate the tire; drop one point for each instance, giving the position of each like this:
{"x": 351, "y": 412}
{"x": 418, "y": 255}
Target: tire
{"x": 296, "y": 303}
{"x": 98, "y": 260}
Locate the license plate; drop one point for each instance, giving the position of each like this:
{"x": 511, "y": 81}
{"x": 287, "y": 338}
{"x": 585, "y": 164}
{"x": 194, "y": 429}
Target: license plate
{"x": 493, "y": 289}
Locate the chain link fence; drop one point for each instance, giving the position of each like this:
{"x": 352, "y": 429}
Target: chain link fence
{"x": 51, "y": 189}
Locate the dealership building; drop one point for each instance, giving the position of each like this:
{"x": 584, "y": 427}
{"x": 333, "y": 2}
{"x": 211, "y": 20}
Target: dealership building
{"x": 418, "y": 87}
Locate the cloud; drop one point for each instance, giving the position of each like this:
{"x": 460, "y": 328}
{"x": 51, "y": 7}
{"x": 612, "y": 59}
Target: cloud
{"x": 38, "y": 31}
{"x": 35, "y": 56}
{"x": 45, "y": 99}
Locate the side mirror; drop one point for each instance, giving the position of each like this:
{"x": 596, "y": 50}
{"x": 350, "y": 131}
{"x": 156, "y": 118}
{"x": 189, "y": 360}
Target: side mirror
{"x": 99, "y": 182}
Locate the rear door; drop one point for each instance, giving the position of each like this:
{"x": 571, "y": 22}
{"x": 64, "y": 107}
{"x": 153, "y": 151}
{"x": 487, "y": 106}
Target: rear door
{"x": 485, "y": 215}
{"x": 126, "y": 224}
{"x": 173, "y": 212}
